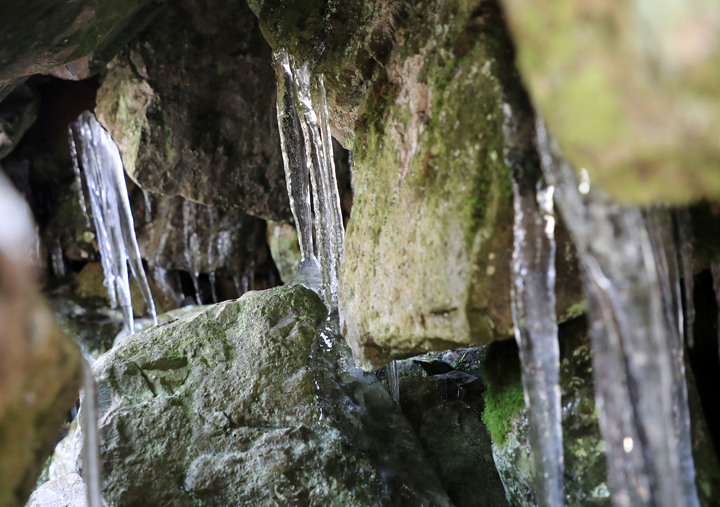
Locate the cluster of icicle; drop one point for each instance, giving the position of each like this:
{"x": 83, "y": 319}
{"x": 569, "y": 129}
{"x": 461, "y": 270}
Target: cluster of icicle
{"x": 94, "y": 150}
{"x": 631, "y": 279}
{"x": 308, "y": 159}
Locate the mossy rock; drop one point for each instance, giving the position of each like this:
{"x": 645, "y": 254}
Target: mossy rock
{"x": 427, "y": 251}
{"x": 629, "y": 90}
{"x": 245, "y": 402}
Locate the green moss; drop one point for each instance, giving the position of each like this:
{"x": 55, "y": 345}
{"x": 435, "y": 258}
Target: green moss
{"x": 170, "y": 152}
{"x": 504, "y": 397}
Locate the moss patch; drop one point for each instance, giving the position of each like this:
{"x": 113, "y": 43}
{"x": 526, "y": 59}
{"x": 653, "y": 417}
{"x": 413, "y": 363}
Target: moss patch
{"x": 504, "y": 397}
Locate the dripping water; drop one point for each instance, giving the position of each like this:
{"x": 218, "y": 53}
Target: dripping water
{"x": 58, "y": 261}
{"x": 102, "y": 166}
{"x": 630, "y": 287}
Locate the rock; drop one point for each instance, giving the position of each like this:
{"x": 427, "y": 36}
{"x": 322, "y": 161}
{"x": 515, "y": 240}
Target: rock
{"x": 445, "y": 412}
{"x": 629, "y": 90}
{"x": 17, "y": 113}
{"x": 186, "y": 236}
{"x": 66, "y": 39}
{"x": 39, "y": 366}
{"x": 285, "y": 249}
{"x": 66, "y": 491}
{"x": 507, "y": 419}
{"x": 583, "y": 445}
{"x": 198, "y": 119}
{"x": 244, "y": 403}
{"x": 427, "y": 251}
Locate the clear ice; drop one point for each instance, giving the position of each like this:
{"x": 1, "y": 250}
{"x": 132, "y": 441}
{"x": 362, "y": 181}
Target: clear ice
{"x": 630, "y": 281}
{"x": 533, "y": 309}
{"x": 97, "y": 153}
{"x": 310, "y": 170}
{"x": 91, "y": 439}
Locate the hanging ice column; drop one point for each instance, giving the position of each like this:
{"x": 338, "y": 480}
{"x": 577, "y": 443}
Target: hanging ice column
{"x": 637, "y": 352}
{"x": 100, "y": 159}
{"x": 533, "y": 304}
{"x": 308, "y": 158}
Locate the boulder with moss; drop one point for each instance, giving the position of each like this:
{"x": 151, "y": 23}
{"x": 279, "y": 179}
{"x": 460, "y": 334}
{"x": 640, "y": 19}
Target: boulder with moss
{"x": 244, "y": 402}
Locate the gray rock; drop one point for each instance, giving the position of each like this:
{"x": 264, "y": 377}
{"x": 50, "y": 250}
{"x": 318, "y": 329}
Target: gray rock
{"x": 244, "y": 403}
{"x": 17, "y": 113}
{"x": 192, "y": 107}
{"x": 65, "y": 491}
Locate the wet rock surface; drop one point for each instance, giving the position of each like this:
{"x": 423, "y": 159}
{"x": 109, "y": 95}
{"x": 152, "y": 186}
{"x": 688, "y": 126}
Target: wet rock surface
{"x": 192, "y": 107}
{"x": 243, "y": 403}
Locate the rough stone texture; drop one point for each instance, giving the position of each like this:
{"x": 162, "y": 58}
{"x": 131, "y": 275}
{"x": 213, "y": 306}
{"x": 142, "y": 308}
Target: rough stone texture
{"x": 444, "y": 409}
{"x": 583, "y": 446}
{"x": 428, "y": 246}
{"x": 62, "y": 37}
{"x": 629, "y": 89}
{"x": 17, "y": 113}
{"x": 243, "y": 403}
{"x": 183, "y": 235}
{"x": 285, "y": 249}
{"x": 66, "y": 491}
{"x": 192, "y": 107}
{"x": 39, "y": 366}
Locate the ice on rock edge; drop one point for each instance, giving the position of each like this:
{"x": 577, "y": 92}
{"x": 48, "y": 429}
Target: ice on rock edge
{"x": 97, "y": 153}
{"x": 309, "y": 170}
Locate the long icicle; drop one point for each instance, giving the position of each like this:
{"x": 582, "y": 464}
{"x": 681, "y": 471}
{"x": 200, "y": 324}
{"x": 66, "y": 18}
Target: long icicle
{"x": 114, "y": 224}
{"x": 633, "y": 345}
{"x": 685, "y": 237}
{"x": 308, "y": 158}
{"x": 91, "y": 439}
{"x": 533, "y": 307}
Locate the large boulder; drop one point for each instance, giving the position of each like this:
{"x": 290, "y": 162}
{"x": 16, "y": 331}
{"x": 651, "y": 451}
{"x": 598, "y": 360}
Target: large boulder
{"x": 40, "y": 367}
{"x": 428, "y": 246}
{"x": 245, "y": 403}
{"x": 192, "y": 107}
{"x": 630, "y": 91}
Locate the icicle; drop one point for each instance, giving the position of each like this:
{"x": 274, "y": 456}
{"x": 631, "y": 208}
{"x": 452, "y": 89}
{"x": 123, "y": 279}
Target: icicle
{"x": 58, "y": 261}
{"x": 210, "y": 257}
{"x": 685, "y": 235}
{"x": 91, "y": 439}
{"x": 635, "y": 358}
{"x": 114, "y": 225}
{"x": 148, "y": 207}
{"x": 293, "y": 152}
{"x": 533, "y": 309}
{"x": 393, "y": 382}
{"x": 78, "y": 178}
{"x": 307, "y": 151}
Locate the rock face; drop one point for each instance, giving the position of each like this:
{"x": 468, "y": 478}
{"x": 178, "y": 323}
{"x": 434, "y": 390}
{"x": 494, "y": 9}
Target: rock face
{"x": 64, "y": 38}
{"x": 39, "y": 365}
{"x": 427, "y": 252}
{"x": 243, "y": 403}
{"x": 583, "y": 446}
{"x": 629, "y": 90}
{"x": 192, "y": 107}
